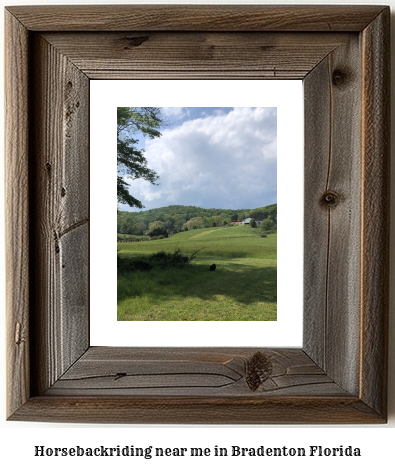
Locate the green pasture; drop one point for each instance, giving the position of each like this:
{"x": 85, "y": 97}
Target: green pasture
{"x": 243, "y": 286}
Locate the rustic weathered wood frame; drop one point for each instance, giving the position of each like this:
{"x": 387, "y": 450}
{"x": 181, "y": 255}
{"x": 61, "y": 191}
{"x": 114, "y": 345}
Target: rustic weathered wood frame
{"x": 342, "y": 54}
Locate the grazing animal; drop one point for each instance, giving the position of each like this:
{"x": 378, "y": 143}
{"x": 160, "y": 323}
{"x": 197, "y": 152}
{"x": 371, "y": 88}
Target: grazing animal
{"x": 212, "y": 267}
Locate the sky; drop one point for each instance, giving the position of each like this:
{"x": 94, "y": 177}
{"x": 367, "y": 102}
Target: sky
{"x": 223, "y": 158}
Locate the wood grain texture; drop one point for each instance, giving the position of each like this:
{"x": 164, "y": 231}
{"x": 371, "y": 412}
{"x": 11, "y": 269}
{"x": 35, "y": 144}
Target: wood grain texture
{"x": 317, "y": 113}
{"x": 339, "y": 376}
{"x": 17, "y": 213}
{"x": 195, "y": 55}
{"x": 60, "y": 123}
{"x": 375, "y": 212}
{"x": 196, "y": 17}
{"x": 195, "y": 372}
{"x": 332, "y": 214}
{"x": 198, "y": 410}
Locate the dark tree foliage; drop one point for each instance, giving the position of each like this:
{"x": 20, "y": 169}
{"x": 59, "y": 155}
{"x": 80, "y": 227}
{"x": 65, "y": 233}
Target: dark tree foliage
{"x": 259, "y": 214}
{"x": 158, "y": 231}
{"x": 131, "y": 162}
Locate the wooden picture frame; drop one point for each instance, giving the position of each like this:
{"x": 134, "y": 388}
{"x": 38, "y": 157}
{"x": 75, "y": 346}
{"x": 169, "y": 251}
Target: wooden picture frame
{"x": 340, "y": 374}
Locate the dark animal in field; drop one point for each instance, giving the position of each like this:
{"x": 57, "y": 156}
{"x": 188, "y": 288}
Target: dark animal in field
{"x": 185, "y": 259}
{"x": 212, "y": 267}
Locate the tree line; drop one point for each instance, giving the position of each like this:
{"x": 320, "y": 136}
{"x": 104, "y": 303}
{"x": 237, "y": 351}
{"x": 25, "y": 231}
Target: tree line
{"x": 172, "y": 219}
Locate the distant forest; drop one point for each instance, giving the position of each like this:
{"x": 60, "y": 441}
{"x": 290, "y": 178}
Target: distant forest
{"x": 174, "y": 218}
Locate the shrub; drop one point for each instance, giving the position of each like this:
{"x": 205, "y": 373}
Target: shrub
{"x": 267, "y": 224}
{"x": 164, "y": 260}
{"x": 159, "y": 260}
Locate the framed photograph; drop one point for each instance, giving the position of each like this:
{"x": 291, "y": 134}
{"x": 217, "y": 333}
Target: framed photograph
{"x": 209, "y": 162}
{"x": 339, "y": 375}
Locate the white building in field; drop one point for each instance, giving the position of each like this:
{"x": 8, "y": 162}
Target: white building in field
{"x": 247, "y": 221}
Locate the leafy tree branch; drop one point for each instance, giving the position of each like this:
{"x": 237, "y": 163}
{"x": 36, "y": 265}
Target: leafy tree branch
{"x": 131, "y": 162}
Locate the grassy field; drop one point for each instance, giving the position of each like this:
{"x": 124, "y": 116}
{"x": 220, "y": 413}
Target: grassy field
{"x": 243, "y": 286}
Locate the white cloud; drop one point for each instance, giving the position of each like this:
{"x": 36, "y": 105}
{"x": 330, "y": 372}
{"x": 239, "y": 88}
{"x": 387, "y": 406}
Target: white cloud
{"x": 175, "y": 112}
{"x": 222, "y": 161}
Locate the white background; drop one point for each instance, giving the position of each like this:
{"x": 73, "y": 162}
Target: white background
{"x": 287, "y": 96}
{"x": 17, "y": 440}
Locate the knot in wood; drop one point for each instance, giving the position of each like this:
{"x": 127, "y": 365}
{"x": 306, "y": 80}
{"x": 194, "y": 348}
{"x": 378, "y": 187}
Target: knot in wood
{"x": 330, "y": 199}
{"x": 259, "y": 369}
{"x": 135, "y": 41}
{"x": 339, "y": 77}
{"x": 119, "y": 375}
